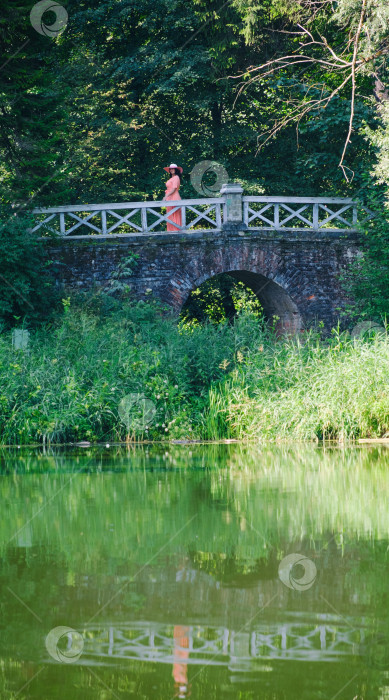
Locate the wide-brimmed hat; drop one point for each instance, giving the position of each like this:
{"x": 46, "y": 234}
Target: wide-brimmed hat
{"x": 173, "y": 165}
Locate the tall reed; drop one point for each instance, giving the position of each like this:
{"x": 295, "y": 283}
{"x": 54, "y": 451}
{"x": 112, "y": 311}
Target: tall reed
{"x": 206, "y": 382}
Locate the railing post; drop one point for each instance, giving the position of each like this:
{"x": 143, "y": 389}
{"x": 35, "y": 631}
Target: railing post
{"x": 183, "y": 218}
{"x": 218, "y": 212}
{"x": 104, "y": 222}
{"x": 246, "y": 213}
{"x": 315, "y": 218}
{"x": 233, "y": 212}
{"x": 355, "y": 213}
{"x": 277, "y": 216}
{"x": 62, "y": 224}
{"x": 143, "y": 217}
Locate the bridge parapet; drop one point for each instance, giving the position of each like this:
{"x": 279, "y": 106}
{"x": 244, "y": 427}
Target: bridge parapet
{"x": 318, "y": 214}
{"x": 106, "y": 220}
{"x": 230, "y": 211}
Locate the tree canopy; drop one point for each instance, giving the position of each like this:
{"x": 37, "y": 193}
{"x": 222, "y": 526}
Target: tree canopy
{"x": 96, "y": 111}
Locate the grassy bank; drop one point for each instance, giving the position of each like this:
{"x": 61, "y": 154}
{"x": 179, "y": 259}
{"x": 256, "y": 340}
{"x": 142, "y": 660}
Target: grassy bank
{"x": 80, "y": 378}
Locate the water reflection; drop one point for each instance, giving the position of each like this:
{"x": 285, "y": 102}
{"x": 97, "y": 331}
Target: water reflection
{"x": 183, "y": 644}
{"x": 166, "y": 561}
{"x": 298, "y": 638}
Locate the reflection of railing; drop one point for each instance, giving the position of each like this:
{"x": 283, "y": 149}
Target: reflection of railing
{"x": 218, "y": 646}
{"x": 230, "y": 211}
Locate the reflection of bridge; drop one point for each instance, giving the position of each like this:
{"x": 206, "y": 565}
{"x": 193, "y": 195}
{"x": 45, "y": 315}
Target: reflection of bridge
{"x": 326, "y": 638}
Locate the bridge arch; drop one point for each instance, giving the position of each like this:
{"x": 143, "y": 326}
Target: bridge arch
{"x": 276, "y": 285}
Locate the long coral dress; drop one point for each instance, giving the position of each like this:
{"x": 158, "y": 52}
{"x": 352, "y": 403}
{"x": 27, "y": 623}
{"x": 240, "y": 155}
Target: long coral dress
{"x": 172, "y": 187}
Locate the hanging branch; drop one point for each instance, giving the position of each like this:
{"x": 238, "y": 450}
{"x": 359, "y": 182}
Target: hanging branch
{"x": 329, "y": 58}
{"x": 298, "y": 113}
{"x": 353, "y": 71}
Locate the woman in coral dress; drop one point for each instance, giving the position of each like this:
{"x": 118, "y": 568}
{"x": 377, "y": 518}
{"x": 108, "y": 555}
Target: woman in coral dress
{"x": 171, "y": 193}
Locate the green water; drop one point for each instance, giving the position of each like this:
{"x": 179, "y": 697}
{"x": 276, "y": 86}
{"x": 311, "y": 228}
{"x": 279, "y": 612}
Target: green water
{"x": 164, "y": 564}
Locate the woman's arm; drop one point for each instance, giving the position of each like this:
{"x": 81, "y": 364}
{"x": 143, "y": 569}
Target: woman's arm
{"x": 174, "y": 185}
{"x": 169, "y": 192}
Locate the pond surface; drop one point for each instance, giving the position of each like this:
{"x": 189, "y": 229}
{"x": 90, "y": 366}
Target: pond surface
{"x": 202, "y": 571}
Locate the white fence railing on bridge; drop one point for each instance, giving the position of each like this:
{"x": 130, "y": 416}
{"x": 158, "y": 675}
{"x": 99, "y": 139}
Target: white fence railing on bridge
{"x": 230, "y": 210}
{"x": 130, "y": 217}
{"x": 315, "y": 213}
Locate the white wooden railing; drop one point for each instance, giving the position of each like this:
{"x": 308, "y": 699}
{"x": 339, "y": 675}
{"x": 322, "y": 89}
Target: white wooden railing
{"x": 129, "y": 217}
{"x": 315, "y": 213}
{"x": 230, "y": 210}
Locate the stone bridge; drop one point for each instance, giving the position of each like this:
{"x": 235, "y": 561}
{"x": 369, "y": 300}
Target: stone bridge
{"x": 289, "y": 250}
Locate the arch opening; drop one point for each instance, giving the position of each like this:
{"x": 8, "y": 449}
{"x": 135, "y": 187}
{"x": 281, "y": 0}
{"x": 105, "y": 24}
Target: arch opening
{"x": 230, "y": 291}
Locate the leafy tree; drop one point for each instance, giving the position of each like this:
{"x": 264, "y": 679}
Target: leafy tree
{"x": 33, "y": 121}
{"x": 340, "y": 49}
{"x": 367, "y": 281}
{"x": 27, "y": 290}
{"x": 127, "y": 87}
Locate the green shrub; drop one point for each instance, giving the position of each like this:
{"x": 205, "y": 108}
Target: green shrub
{"x": 208, "y": 381}
{"x": 27, "y": 290}
{"x": 69, "y": 383}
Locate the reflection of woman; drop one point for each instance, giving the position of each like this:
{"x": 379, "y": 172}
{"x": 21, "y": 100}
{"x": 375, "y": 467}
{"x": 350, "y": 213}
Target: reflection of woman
{"x": 172, "y": 187}
{"x": 180, "y": 655}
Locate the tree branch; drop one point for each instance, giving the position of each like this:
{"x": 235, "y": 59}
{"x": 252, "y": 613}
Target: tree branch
{"x": 353, "y": 64}
{"x": 314, "y": 104}
{"x": 329, "y": 58}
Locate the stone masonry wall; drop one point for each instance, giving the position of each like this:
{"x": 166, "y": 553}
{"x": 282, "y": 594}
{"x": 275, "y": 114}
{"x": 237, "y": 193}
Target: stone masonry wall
{"x": 295, "y": 275}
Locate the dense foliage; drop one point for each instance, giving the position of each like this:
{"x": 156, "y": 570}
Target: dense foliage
{"x": 110, "y": 369}
{"x": 95, "y": 113}
{"x": 219, "y": 300}
{"x": 27, "y": 290}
